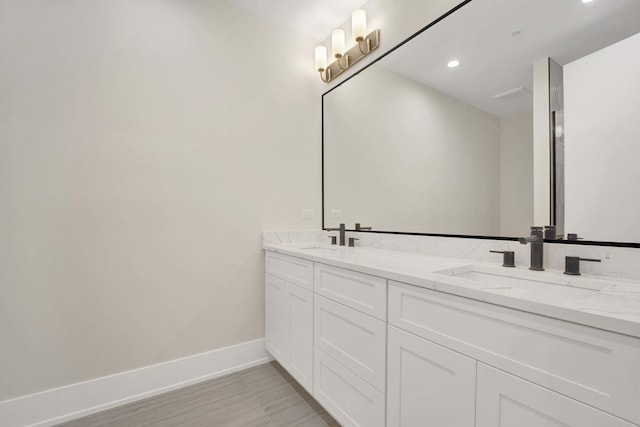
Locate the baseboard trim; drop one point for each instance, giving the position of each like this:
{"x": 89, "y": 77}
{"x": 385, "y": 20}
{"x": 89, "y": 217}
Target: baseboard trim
{"x": 66, "y": 403}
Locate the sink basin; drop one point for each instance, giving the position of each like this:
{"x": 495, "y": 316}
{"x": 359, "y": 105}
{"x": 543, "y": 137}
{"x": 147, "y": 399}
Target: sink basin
{"x": 319, "y": 248}
{"x": 525, "y": 282}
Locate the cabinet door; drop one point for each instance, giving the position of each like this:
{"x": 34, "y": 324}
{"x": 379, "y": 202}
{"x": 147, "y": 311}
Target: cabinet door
{"x": 507, "y": 401}
{"x": 427, "y": 384}
{"x": 277, "y": 319}
{"x": 301, "y": 336}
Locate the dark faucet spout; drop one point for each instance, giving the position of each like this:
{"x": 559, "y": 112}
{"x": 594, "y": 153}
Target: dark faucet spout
{"x": 537, "y": 248}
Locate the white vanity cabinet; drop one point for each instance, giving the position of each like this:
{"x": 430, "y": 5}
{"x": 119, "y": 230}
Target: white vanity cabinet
{"x": 559, "y": 364}
{"x": 376, "y": 352}
{"x": 289, "y": 315}
{"x": 327, "y": 327}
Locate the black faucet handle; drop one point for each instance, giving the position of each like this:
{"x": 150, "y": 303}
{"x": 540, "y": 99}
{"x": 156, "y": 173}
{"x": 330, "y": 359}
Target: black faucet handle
{"x": 550, "y": 232}
{"x": 341, "y": 227}
{"x": 573, "y": 236}
{"x": 352, "y": 242}
{"x": 508, "y": 258}
{"x": 334, "y": 240}
{"x": 361, "y": 228}
{"x": 572, "y": 264}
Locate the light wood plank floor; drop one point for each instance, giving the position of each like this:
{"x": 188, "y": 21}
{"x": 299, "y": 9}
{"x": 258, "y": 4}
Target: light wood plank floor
{"x": 264, "y": 395}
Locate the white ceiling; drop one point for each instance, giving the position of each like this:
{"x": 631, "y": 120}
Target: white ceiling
{"x": 493, "y": 61}
{"x": 313, "y": 18}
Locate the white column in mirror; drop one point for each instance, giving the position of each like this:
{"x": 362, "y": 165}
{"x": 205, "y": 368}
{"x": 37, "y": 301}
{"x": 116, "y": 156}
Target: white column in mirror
{"x": 541, "y": 144}
{"x": 337, "y": 42}
{"x": 321, "y": 58}
{"x": 358, "y": 25}
{"x": 602, "y": 101}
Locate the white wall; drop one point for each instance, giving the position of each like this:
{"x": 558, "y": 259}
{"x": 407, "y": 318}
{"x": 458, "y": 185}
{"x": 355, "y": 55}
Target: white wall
{"x": 516, "y": 174}
{"x": 128, "y": 130}
{"x": 401, "y": 156}
{"x": 602, "y": 143}
{"x": 144, "y": 145}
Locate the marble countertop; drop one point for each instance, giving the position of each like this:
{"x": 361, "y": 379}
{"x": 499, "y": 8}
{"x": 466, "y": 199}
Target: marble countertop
{"x": 611, "y": 304}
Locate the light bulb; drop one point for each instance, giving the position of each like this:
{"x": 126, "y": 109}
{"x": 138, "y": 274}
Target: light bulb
{"x": 337, "y": 42}
{"x": 358, "y": 25}
{"x": 453, "y": 63}
{"x": 321, "y": 58}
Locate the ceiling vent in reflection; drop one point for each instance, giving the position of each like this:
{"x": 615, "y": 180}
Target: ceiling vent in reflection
{"x": 512, "y": 94}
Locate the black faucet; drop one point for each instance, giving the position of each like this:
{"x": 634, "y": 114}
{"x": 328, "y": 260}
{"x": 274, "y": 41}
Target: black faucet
{"x": 342, "y": 230}
{"x": 508, "y": 258}
{"x": 361, "y": 228}
{"x": 572, "y": 264}
{"x": 537, "y": 248}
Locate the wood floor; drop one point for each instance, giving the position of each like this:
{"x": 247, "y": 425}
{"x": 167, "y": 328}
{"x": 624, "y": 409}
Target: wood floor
{"x": 264, "y": 395}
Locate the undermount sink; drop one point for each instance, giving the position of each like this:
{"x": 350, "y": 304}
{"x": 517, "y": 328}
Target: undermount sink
{"x": 320, "y": 248}
{"x": 513, "y": 281}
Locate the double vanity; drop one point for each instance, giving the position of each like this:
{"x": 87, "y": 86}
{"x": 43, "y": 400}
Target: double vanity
{"x": 419, "y": 324}
{"x": 382, "y": 337}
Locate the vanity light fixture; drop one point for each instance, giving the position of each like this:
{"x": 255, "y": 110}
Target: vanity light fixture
{"x": 453, "y": 63}
{"x": 345, "y": 58}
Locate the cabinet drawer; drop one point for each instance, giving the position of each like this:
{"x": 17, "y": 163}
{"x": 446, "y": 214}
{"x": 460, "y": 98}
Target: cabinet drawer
{"x": 362, "y": 292}
{"x": 349, "y": 399}
{"x": 587, "y": 364}
{"x": 354, "y": 339}
{"x": 507, "y": 401}
{"x": 294, "y": 270}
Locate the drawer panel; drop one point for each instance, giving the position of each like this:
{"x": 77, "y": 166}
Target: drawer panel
{"x": 349, "y": 399}
{"x": 294, "y": 270}
{"x": 362, "y": 292}
{"x": 507, "y": 401}
{"x": 354, "y": 339}
{"x": 584, "y": 363}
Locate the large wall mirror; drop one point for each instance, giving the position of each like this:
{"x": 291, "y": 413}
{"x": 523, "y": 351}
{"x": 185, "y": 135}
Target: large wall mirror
{"x": 414, "y": 144}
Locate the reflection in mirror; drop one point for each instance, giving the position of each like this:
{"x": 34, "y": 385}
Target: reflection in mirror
{"x": 602, "y": 143}
{"x": 412, "y": 144}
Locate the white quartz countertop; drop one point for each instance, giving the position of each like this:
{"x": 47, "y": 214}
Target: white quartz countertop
{"x": 610, "y": 304}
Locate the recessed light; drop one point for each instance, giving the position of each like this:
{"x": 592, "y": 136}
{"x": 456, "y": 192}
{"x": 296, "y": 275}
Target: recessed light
{"x": 453, "y": 63}
{"x": 587, "y": 1}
